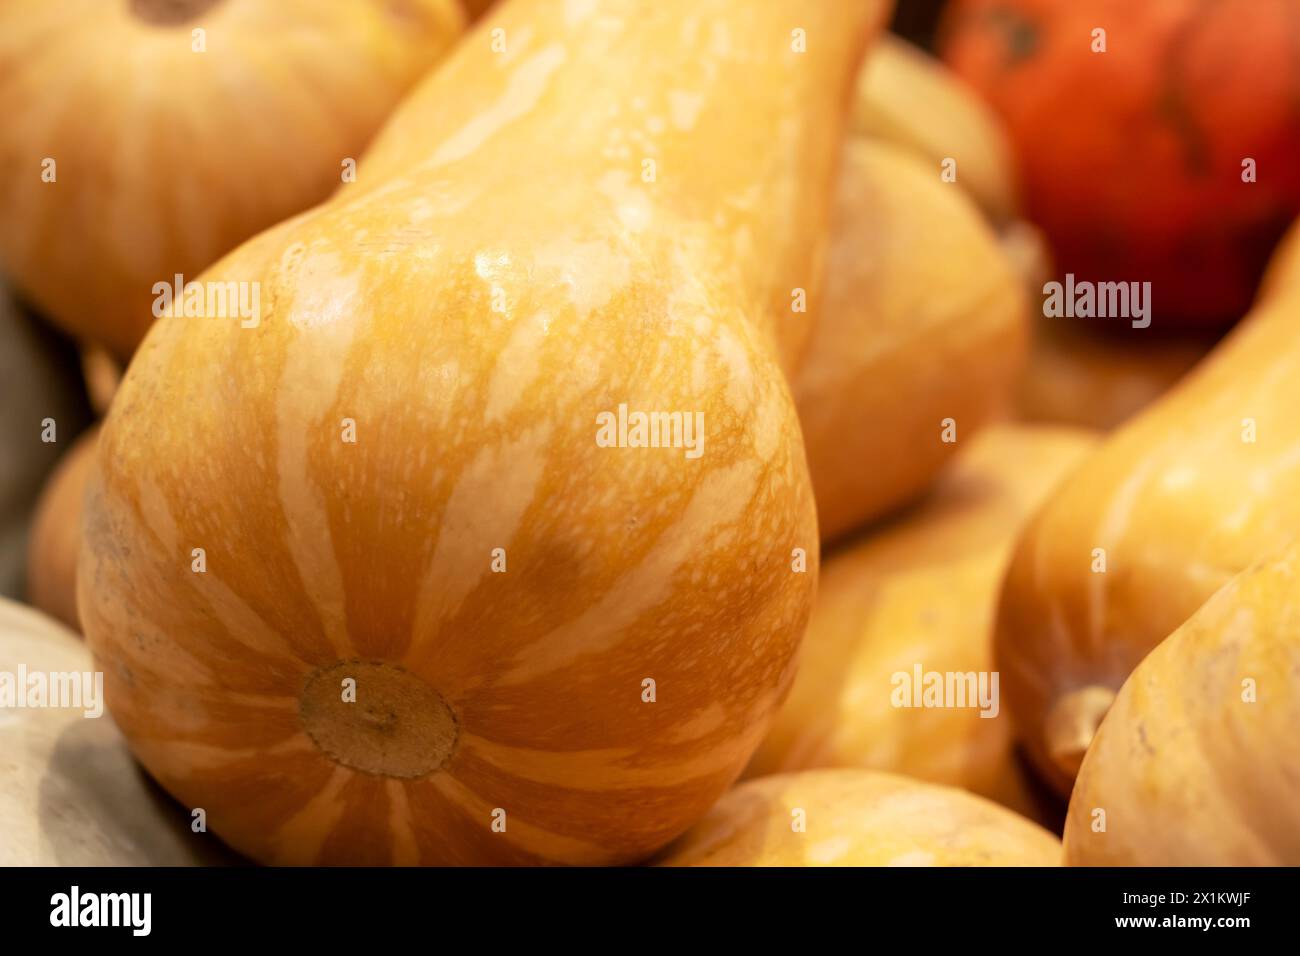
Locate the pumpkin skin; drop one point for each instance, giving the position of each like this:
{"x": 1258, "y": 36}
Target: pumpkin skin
{"x": 908, "y": 97}
{"x": 1192, "y": 766}
{"x": 1131, "y": 160}
{"x": 56, "y": 534}
{"x": 923, "y": 319}
{"x": 922, "y": 589}
{"x": 860, "y": 818}
{"x": 140, "y": 128}
{"x": 1179, "y": 503}
{"x": 70, "y": 794}
{"x": 41, "y": 380}
{"x": 327, "y": 560}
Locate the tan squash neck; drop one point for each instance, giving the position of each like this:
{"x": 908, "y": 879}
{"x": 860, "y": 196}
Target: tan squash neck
{"x": 1071, "y": 724}
{"x": 171, "y": 13}
{"x": 379, "y": 718}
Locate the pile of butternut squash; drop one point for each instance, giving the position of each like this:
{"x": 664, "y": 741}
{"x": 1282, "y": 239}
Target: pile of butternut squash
{"x": 634, "y": 397}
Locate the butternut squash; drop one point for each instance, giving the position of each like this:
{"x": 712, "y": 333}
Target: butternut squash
{"x": 908, "y": 97}
{"x": 1192, "y": 491}
{"x": 145, "y": 138}
{"x": 366, "y": 581}
{"x": 922, "y": 592}
{"x": 1197, "y": 763}
{"x": 919, "y": 340}
{"x": 70, "y": 795}
{"x": 860, "y": 818}
{"x": 56, "y": 534}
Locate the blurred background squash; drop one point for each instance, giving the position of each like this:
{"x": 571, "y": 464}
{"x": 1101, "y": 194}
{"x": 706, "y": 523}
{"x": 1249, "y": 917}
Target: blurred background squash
{"x": 908, "y": 97}
{"x": 923, "y": 319}
{"x": 859, "y": 818}
{"x": 56, "y": 534}
{"x": 922, "y": 590}
{"x": 128, "y": 156}
{"x": 1198, "y": 761}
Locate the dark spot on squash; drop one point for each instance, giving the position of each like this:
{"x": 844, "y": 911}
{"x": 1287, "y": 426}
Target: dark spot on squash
{"x": 1174, "y": 110}
{"x": 1021, "y": 37}
{"x": 171, "y": 13}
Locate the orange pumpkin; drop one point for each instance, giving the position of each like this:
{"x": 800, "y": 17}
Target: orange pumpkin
{"x": 144, "y": 138}
{"x": 860, "y": 818}
{"x": 365, "y": 579}
{"x": 1135, "y": 160}
{"x": 56, "y": 534}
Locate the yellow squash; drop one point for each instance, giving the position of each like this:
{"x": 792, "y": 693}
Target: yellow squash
{"x": 922, "y": 592}
{"x": 379, "y": 580}
{"x": 859, "y": 818}
{"x": 70, "y": 794}
{"x": 908, "y": 97}
{"x": 144, "y": 138}
{"x": 1198, "y": 762}
{"x": 1284, "y": 269}
{"x": 1192, "y": 491}
{"x": 920, "y": 336}
{"x": 56, "y": 534}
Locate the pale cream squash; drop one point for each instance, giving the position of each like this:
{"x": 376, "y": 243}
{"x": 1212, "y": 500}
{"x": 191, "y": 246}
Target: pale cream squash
{"x": 860, "y": 818}
{"x": 921, "y": 333}
{"x": 1198, "y": 762}
{"x": 392, "y": 487}
{"x": 908, "y": 97}
{"x": 145, "y": 138}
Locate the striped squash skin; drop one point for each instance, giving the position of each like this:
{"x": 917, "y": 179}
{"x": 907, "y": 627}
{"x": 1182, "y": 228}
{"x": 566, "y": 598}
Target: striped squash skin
{"x": 167, "y": 158}
{"x": 860, "y": 818}
{"x": 476, "y": 430}
{"x": 1179, "y": 500}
